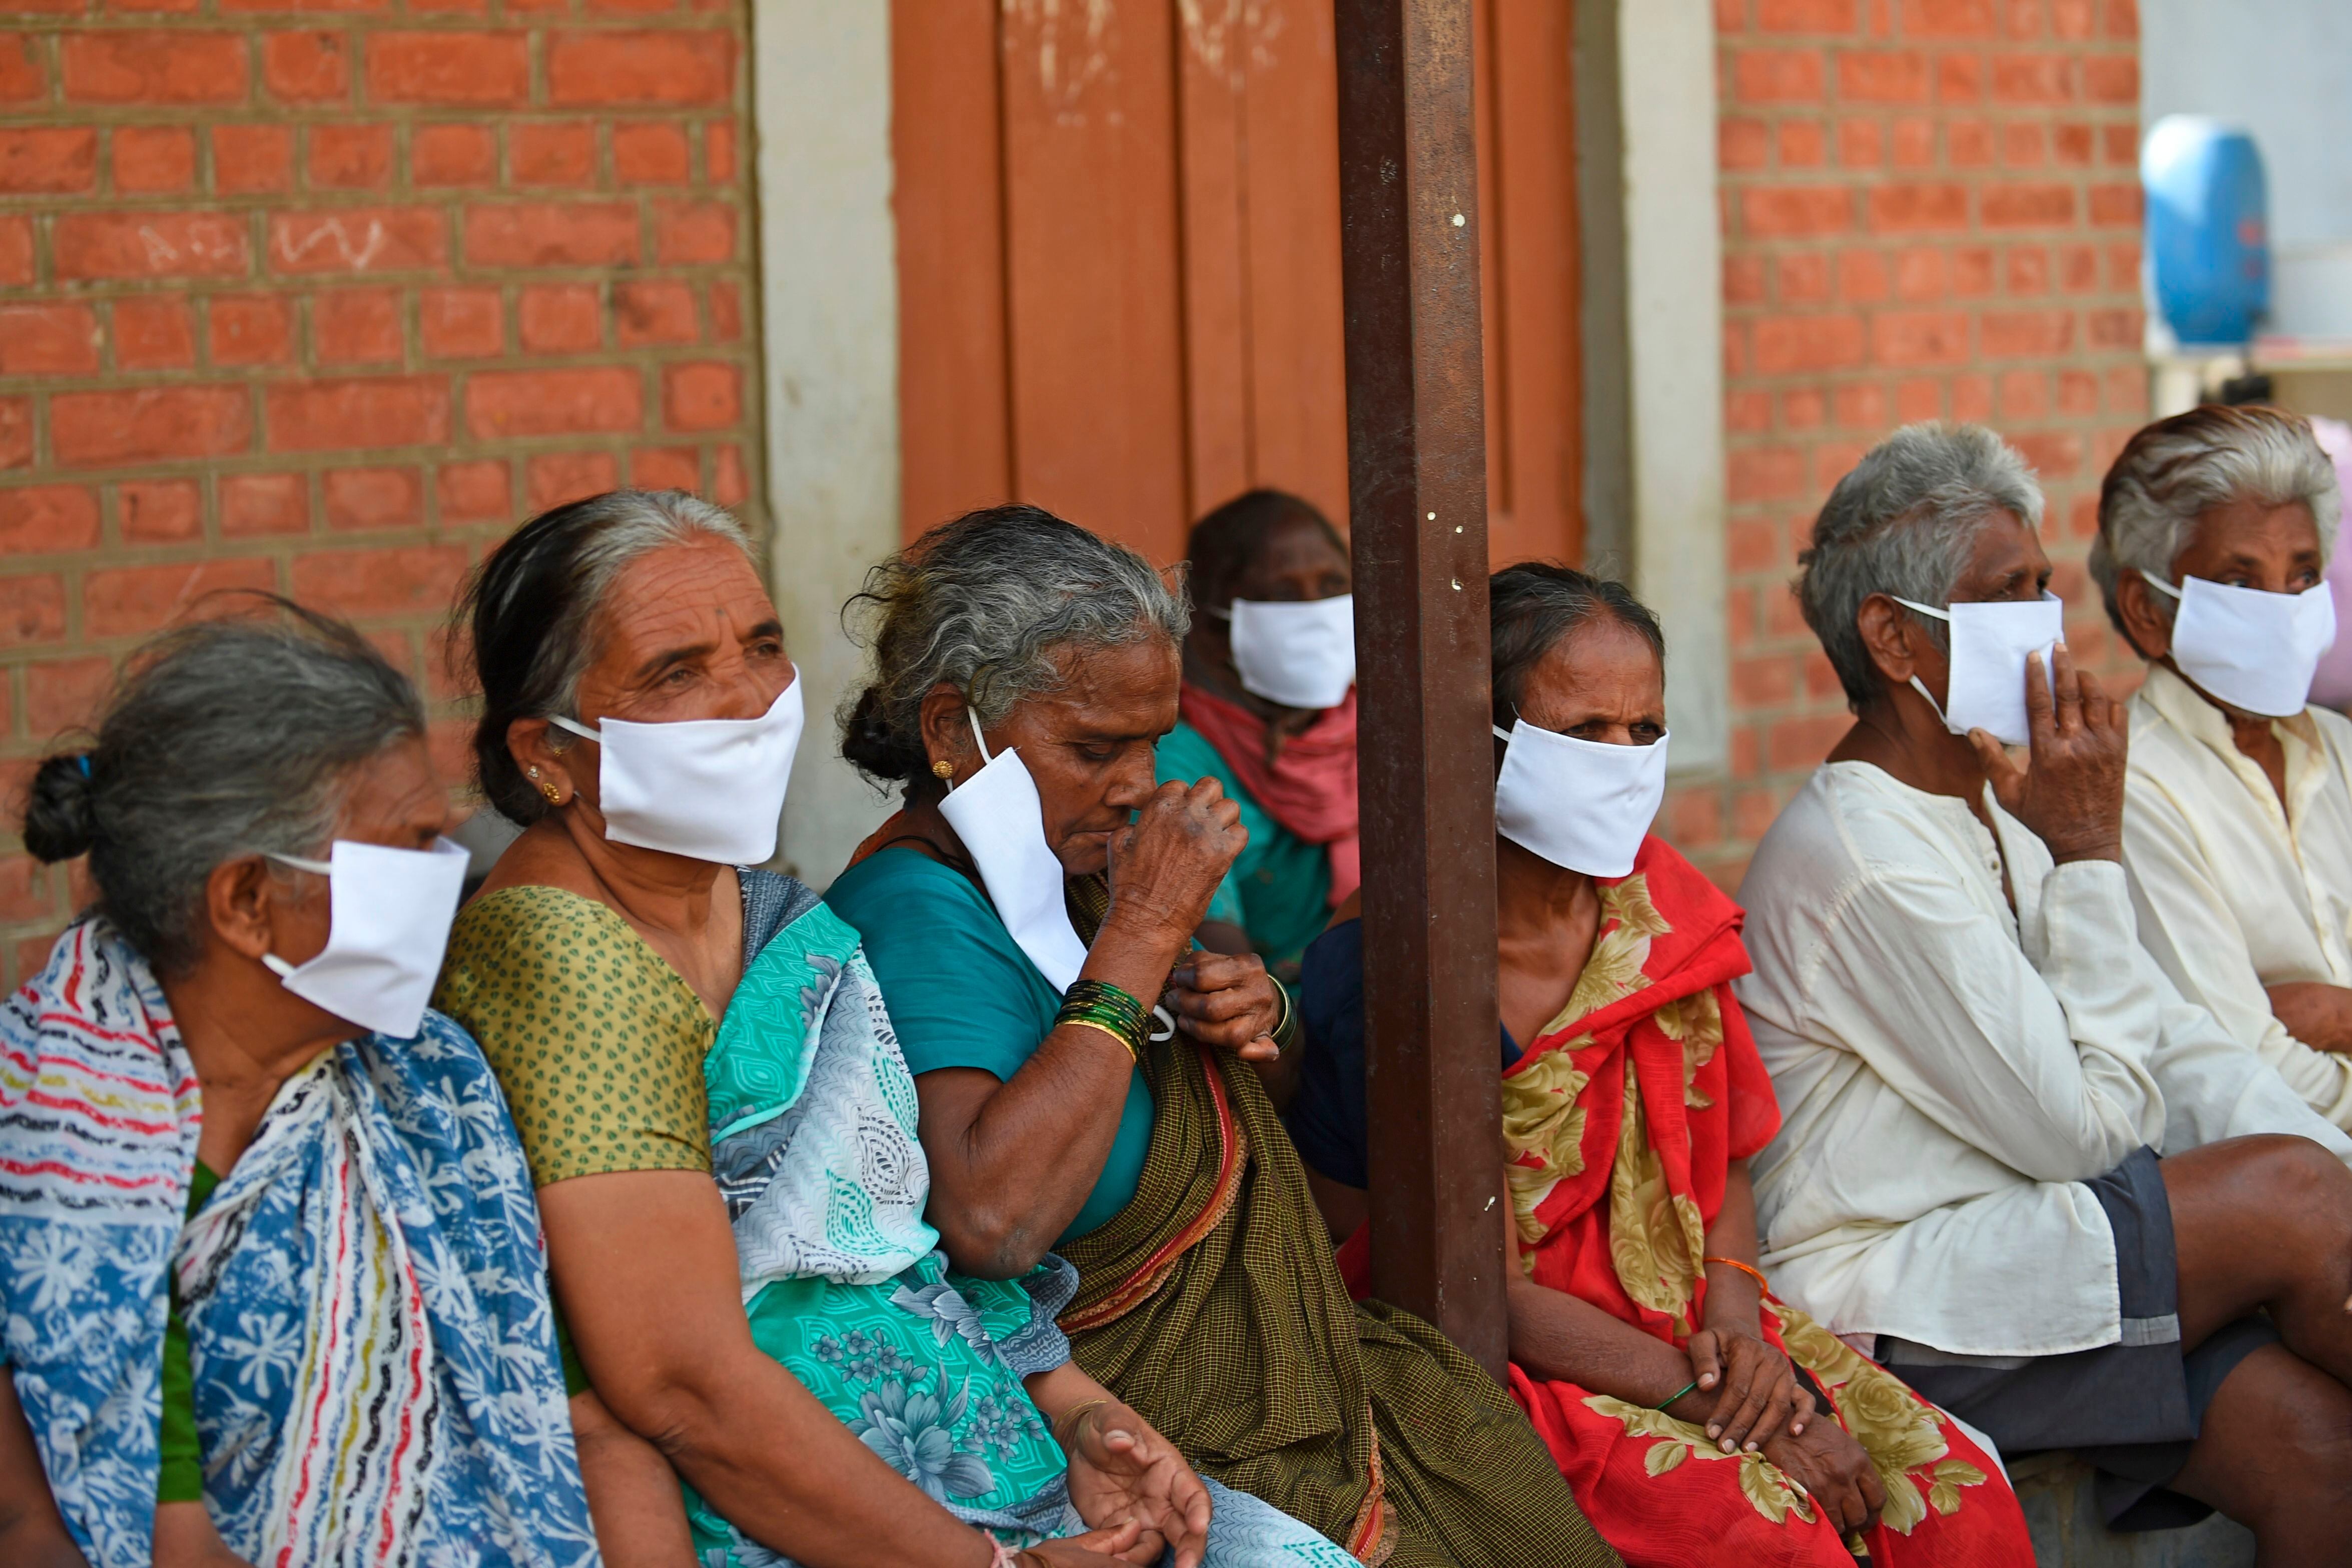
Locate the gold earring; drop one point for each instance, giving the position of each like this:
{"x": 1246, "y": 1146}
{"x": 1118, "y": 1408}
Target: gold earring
{"x": 554, "y": 796}
{"x": 943, "y": 768}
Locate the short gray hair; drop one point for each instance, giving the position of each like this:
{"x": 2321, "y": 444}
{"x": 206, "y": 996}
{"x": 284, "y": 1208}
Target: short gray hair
{"x": 227, "y": 737}
{"x": 1903, "y": 523}
{"x": 2175, "y": 470}
{"x": 533, "y": 615}
{"x": 983, "y": 603}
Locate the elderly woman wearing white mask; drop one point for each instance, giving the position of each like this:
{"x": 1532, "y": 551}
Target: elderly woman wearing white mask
{"x": 270, "y": 1282}
{"x": 663, "y": 1013}
{"x": 2010, "y": 1150}
{"x": 1027, "y": 912}
{"x": 2215, "y": 528}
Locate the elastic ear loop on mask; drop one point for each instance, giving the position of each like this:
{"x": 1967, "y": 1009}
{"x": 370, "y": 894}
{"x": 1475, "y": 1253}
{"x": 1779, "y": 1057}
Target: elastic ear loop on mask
{"x": 1917, "y": 684}
{"x": 1167, "y": 1018}
{"x": 979, "y": 739}
{"x": 576, "y": 727}
{"x": 2155, "y": 581}
{"x": 271, "y": 961}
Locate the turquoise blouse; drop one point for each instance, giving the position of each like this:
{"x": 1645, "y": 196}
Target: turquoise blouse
{"x": 962, "y": 994}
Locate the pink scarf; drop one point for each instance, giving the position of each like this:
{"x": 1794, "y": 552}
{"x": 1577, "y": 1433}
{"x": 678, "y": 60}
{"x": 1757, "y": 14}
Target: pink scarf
{"x": 1309, "y": 789}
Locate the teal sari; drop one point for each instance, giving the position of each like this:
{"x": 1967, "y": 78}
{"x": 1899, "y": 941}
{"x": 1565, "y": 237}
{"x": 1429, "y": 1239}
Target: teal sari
{"x": 812, "y": 1118}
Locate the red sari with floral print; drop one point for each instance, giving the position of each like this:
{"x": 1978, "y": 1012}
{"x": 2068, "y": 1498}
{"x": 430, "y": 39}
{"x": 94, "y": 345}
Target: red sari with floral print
{"x": 1622, "y": 1119}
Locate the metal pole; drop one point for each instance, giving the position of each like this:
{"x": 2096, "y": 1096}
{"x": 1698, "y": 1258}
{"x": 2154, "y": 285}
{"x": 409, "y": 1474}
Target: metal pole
{"x": 1417, "y": 500}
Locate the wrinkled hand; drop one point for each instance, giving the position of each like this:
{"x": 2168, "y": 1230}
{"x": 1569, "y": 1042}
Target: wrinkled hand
{"x": 1227, "y": 1000}
{"x": 1122, "y": 1472}
{"x": 1166, "y": 865}
{"x": 1759, "y": 1398}
{"x": 1828, "y": 1463}
{"x": 2071, "y": 792}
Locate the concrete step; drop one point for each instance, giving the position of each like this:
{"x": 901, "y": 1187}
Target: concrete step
{"x": 2064, "y": 1515}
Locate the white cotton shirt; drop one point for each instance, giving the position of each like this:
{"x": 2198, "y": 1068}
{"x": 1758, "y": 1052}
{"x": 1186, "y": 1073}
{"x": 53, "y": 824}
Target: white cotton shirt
{"x": 2234, "y": 893}
{"x": 1950, "y": 1074}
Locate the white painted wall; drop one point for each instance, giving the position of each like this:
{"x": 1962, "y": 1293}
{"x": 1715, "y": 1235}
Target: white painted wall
{"x": 829, "y": 304}
{"x": 1673, "y": 339}
{"x": 2282, "y": 68}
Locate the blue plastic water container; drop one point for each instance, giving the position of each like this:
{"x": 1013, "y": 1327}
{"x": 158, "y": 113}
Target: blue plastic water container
{"x": 2207, "y": 229}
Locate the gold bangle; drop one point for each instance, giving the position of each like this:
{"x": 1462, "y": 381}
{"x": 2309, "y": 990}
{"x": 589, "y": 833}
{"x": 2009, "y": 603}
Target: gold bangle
{"x": 1069, "y": 1418}
{"x": 1105, "y": 1029}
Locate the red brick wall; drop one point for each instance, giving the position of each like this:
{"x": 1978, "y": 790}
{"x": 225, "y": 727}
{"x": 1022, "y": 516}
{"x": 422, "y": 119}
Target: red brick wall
{"x": 324, "y": 296}
{"x": 1930, "y": 210}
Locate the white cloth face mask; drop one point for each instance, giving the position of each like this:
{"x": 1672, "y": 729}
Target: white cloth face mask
{"x": 998, "y": 815}
{"x": 389, "y": 912}
{"x": 1986, "y": 689}
{"x": 1298, "y": 653}
{"x": 2255, "y": 650}
{"x": 709, "y": 789}
{"x": 1584, "y": 805}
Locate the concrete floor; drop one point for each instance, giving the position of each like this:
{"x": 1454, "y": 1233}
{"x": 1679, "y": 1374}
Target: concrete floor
{"x": 2067, "y": 1533}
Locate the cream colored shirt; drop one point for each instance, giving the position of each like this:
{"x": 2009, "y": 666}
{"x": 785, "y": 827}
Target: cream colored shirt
{"x": 2232, "y": 893}
{"x": 1950, "y": 1073}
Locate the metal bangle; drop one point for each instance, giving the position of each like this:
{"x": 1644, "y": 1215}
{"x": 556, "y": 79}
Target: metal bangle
{"x": 1068, "y": 1420}
{"x": 1132, "y": 1054}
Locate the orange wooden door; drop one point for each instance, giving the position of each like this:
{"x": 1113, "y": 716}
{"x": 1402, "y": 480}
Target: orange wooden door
{"x": 1119, "y": 256}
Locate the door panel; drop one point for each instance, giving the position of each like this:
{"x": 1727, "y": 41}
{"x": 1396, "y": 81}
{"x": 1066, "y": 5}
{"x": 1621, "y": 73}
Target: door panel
{"x": 1119, "y": 261}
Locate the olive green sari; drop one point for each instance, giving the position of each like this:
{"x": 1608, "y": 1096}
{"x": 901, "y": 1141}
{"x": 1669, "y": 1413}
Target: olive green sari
{"x": 1212, "y": 1303}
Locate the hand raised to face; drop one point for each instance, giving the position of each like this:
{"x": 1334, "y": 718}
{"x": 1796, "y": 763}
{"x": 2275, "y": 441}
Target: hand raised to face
{"x": 2070, "y": 791}
{"x": 1166, "y": 865}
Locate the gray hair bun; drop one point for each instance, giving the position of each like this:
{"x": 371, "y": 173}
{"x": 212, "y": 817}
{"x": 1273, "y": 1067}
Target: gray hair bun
{"x": 61, "y": 812}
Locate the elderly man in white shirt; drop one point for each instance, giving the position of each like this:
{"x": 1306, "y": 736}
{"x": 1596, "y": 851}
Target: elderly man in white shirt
{"x": 2057, "y": 1195}
{"x": 2215, "y": 528}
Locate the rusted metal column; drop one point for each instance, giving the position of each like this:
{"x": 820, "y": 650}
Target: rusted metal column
{"x": 1417, "y": 501}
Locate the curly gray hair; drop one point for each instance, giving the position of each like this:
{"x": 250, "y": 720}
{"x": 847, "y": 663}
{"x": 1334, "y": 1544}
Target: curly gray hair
{"x": 984, "y": 603}
{"x": 1903, "y": 523}
{"x": 2177, "y": 469}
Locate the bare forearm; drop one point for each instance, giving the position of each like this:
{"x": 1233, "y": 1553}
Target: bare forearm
{"x": 1555, "y": 1335}
{"x": 644, "y": 1269}
{"x": 633, "y": 1497}
{"x": 783, "y": 1469}
{"x": 1011, "y": 1168}
{"x": 2320, "y": 1016}
{"x": 1733, "y": 1302}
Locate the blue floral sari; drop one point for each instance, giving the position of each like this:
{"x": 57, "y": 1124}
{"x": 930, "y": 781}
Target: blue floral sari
{"x": 375, "y": 1372}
